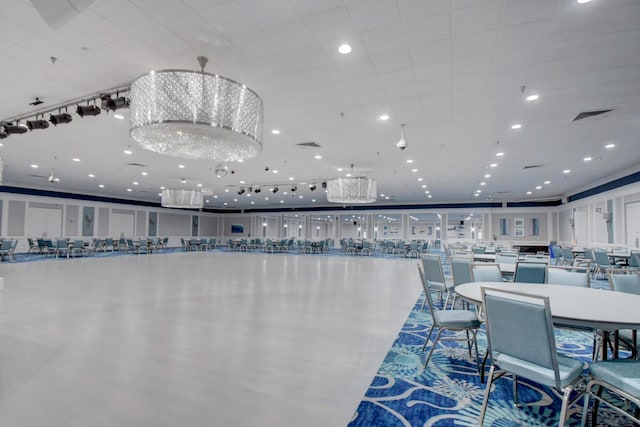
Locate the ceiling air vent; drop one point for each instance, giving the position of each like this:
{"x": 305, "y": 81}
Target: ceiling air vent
{"x": 532, "y": 167}
{"x": 587, "y": 114}
{"x": 309, "y": 144}
{"x": 136, "y": 164}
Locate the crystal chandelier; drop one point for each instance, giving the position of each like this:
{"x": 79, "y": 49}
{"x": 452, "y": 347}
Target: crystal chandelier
{"x": 358, "y": 189}
{"x": 186, "y": 199}
{"x": 195, "y": 115}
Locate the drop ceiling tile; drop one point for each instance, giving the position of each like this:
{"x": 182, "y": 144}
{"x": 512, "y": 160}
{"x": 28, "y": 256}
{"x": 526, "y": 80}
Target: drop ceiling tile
{"x": 383, "y": 39}
{"x": 476, "y": 19}
{"x": 195, "y": 30}
{"x": 323, "y": 75}
{"x": 308, "y": 7}
{"x": 475, "y": 44}
{"x": 355, "y": 67}
{"x": 198, "y": 5}
{"x": 269, "y": 13}
{"x": 430, "y": 53}
{"x": 97, "y": 27}
{"x": 364, "y": 84}
{"x": 430, "y": 72}
{"x": 163, "y": 40}
{"x": 517, "y": 12}
{"x": 254, "y": 45}
{"x": 229, "y": 19}
{"x": 372, "y": 14}
{"x": 47, "y": 48}
{"x": 14, "y": 32}
{"x": 290, "y": 35}
{"x": 397, "y": 78}
{"x": 615, "y": 41}
{"x": 125, "y": 15}
{"x": 163, "y": 11}
{"x": 392, "y": 60}
{"x": 479, "y": 64}
{"x": 521, "y": 36}
{"x": 330, "y": 24}
{"x": 416, "y": 9}
{"x": 429, "y": 29}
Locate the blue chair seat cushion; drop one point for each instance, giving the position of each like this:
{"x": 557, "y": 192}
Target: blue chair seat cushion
{"x": 569, "y": 369}
{"x": 456, "y": 319}
{"x": 623, "y": 374}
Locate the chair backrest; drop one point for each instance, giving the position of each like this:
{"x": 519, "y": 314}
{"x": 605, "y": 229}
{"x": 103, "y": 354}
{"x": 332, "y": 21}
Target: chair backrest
{"x": 503, "y": 258}
{"x": 602, "y": 259}
{"x": 530, "y": 272}
{"x": 6, "y": 245}
{"x": 427, "y": 294}
{"x": 520, "y": 326}
{"x": 629, "y": 283}
{"x": 433, "y": 273}
{"x": 461, "y": 270}
{"x": 634, "y": 260}
{"x": 485, "y": 272}
{"x": 557, "y": 275}
{"x": 478, "y": 250}
{"x": 567, "y": 254}
{"x": 542, "y": 259}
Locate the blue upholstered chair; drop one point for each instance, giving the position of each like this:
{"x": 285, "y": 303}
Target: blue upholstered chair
{"x": 522, "y": 344}
{"x": 568, "y": 276}
{"x": 621, "y": 377}
{"x": 486, "y": 272}
{"x": 530, "y": 272}
{"x": 433, "y": 274}
{"x": 449, "y": 320}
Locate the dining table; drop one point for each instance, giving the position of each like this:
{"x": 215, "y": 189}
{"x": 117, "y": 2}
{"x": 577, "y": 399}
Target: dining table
{"x": 572, "y": 306}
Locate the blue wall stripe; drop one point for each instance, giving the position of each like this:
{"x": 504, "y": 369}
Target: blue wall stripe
{"x": 612, "y": 185}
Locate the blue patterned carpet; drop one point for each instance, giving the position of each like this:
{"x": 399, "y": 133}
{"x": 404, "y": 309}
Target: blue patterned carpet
{"x": 449, "y": 391}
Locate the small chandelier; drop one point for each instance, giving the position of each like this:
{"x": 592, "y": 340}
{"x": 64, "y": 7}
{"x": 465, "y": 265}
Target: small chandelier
{"x": 358, "y": 189}
{"x": 195, "y": 115}
{"x": 185, "y": 199}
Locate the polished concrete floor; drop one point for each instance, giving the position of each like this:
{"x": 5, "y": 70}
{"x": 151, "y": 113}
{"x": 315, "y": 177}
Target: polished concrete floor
{"x": 196, "y": 339}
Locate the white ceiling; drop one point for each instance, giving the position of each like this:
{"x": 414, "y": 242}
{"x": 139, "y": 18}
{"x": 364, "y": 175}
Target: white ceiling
{"x": 452, "y": 70}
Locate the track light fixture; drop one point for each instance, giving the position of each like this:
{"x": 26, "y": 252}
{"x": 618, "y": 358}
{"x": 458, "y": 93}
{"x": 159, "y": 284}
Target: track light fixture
{"x": 37, "y": 124}
{"x": 250, "y": 189}
{"x": 62, "y": 118}
{"x": 17, "y": 128}
{"x": 312, "y": 187}
{"x": 241, "y": 192}
{"x": 114, "y": 104}
{"x": 3, "y": 133}
{"x": 257, "y": 190}
{"x": 293, "y": 189}
{"x": 324, "y": 184}
{"x": 275, "y": 190}
{"x": 88, "y": 110}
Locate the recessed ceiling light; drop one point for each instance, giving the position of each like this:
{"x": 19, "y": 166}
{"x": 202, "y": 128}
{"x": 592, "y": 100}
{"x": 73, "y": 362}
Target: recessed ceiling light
{"x": 414, "y": 170}
{"x": 281, "y": 201}
{"x": 207, "y": 200}
{"x": 241, "y": 182}
{"x": 533, "y": 97}
{"x": 386, "y": 198}
{"x": 547, "y": 182}
{"x": 181, "y": 166}
{"x": 313, "y": 200}
{"x": 478, "y": 191}
{"x": 144, "y": 173}
{"x": 566, "y": 171}
{"x": 91, "y": 175}
{"x": 488, "y": 175}
{"x": 275, "y": 131}
{"x": 235, "y": 200}
{"x": 266, "y": 198}
{"x": 225, "y": 203}
{"x": 226, "y": 190}
{"x": 317, "y": 156}
{"x": 429, "y": 196}
{"x": 384, "y": 117}
{"x": 184, "y": 181}
{"x": 290, "y": 178}
{"x": 529, "y": 193}
{"x": 135, "y": 182}
{"x": 240, "y": 160}
{"x": 409, "y": 161}
{"x": 583, "y": 1}
{"x": 610, "y": 146}
{"x": 75, "y": 159}
{"x": 424, "y": 185}
{"x": 300, "y": 197}
{"x": 382, "y": 195}
{"x": 215, "y": 196}
{"x": 344, "y": 49}
{"x": 339, "y": 169}
{"x": 199, "y": 185}
{"x": 493, "y": 165}
{"x": 101, "y": 186}
{"x": 284, "y": 192}
{"x": 275, "y": 171}
{"x": 420, "y": 179}
{"x": 483, "y": 183}
{"x": 427, "y": 192}
{"x": 252, "y": 203}
{"x": 475, "y": 194}
{"x": 538, "y": 187}
{"x": 127, "y": 151}
{"x": 160, "y": 194}
{"x": 500, "y": 154}
{"x": 587, "y": 159}
{"x": 348, "y": 175}
{"x": 128, "y": 189}
{"x": 516, "y": 126}
{"x": 34, "y": 166}
{"x": 118, "y": 116}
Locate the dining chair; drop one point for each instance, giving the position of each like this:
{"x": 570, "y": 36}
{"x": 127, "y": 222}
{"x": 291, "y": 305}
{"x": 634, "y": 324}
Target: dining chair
{"x": 486, "y": 272}
{"x": 530, "y": 272}
{"x": 521, "y": 343}
{"x": 454, "y": 320}
{"x": 621, "y": 281}
{"x": 434, "y": 276}
{"x": 620, "y": 377}
{"x": 460, "y": 273}
{"x": 602, "y": 263}
{"x": 568, "y": 276}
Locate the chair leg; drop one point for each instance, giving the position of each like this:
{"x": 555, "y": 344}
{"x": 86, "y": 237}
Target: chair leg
{"x": 585, "y": 410}
{"x": 428, "y": 337}
{"x": 515, "y": 390}
{"x": 594, "y": 410}
{"x": 433, "y": 347}
{"x": 565, "y": 403}
{"x": 485, "y": 400}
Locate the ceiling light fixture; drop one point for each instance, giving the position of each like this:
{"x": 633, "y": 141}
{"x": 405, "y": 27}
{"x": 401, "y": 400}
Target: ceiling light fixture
{"x": 587, "y": 159}
{"x": 61, "y": 118}
{"x": 196, "y": 115}
{"x": 88, "y": 110}
{"x": 275, "y": 131}
{"x": 610, "y": 146}
{"x": 183, "y": 199}
{"x": 516, "y": 126}
{"x": 37, "y": 124}
{"x": 16, "y": 128}
{"x": 118, "y": 116}
{"x": 533, "y": 97}
{"x": 566, "y": 171}
{"x": 384, "y": 117}
{"x": 352, "y": 190}
{"x": 344, "y": 49}
{"x": 402, "y": 143}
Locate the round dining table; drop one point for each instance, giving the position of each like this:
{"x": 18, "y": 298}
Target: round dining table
{"x": 572, "y": 306}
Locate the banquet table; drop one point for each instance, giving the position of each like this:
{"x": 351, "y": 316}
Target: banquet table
{"x": 571, "y": 306}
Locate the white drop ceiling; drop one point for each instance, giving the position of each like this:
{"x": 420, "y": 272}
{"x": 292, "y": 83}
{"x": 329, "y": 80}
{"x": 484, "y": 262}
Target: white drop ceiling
{"x": 452, "y": 70}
